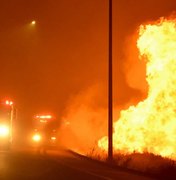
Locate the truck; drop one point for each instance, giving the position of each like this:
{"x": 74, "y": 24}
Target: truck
{"x": 6, "y": 121}
{"x": 44, "y": 131}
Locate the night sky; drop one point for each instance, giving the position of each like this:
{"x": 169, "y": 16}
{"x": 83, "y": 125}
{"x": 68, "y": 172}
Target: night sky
{"x": 66, "y": 52}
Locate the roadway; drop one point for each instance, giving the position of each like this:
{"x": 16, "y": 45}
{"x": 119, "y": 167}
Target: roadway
{"x": 28, "y": 164}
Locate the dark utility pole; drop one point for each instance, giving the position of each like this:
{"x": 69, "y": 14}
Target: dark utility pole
{"x": 110, "y": 90}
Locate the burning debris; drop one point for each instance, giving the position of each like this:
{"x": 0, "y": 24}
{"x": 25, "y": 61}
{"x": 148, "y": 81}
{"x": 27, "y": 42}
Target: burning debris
{"x": 150, "y": 126}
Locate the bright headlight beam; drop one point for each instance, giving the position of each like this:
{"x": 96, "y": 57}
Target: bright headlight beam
{"x": 4, "y": 130}
{"x": 36, "y": 137}
{"x": 53, "y": 138}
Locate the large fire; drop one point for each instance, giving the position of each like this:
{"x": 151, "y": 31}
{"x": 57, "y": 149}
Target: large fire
{"x": 150, "y": 126}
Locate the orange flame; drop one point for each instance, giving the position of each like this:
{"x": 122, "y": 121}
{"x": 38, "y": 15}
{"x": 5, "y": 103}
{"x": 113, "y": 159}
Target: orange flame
{"x": 150, "y": 126}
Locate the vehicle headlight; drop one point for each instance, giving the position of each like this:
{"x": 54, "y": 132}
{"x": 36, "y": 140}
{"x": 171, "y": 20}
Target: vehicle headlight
{"x": 53, "y": 138}
{"x": 4, "y": 130}
{"x": 36, "y": 137}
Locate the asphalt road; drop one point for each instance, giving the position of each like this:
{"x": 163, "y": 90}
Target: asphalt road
{"x": 29, "y": 164}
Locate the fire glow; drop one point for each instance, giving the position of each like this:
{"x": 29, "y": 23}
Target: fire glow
{"x": 150, "y": 126}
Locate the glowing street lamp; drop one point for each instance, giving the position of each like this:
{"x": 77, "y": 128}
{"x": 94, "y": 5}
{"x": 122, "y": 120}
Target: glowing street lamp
{"x": 33, "y": 22}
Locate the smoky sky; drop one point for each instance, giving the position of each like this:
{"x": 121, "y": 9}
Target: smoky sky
{"x": 42, "y": 66}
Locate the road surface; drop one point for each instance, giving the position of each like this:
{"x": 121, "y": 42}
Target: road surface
{"x": 52, "y": 165}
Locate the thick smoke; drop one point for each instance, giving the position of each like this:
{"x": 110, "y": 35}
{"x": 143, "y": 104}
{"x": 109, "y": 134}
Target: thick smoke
{"x": 85, "y": 120}
{"x": 86, "y": 116}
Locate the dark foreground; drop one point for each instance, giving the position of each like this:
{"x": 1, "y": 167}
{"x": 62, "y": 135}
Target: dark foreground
{"x": 30, "y": 164}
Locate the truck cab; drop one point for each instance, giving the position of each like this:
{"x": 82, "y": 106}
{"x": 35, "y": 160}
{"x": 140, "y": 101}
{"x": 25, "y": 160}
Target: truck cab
{"x": 45, "y": 133}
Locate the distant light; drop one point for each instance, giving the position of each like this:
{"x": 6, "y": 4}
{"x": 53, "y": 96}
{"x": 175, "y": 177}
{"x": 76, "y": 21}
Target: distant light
{"x": 44, "y": 116}
{"x": 36, "y": 137}
{"x": 33, "y": 22}
{"x": 53, "y": 138}
{"x": 43, "y": 121}
{"x": 7, "y": 102}
{"x": 4, "y": 130}
{"x": 48, "y": 116}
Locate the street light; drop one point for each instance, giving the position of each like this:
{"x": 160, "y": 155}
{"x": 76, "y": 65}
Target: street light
{"x": 33, "y": 22}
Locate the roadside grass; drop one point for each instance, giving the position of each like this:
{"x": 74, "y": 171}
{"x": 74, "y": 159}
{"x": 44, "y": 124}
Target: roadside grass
{"x": 162, "y": 168}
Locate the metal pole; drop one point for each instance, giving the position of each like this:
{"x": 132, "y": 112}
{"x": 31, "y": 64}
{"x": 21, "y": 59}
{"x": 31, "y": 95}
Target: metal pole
{"x": 110, "y": 90}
